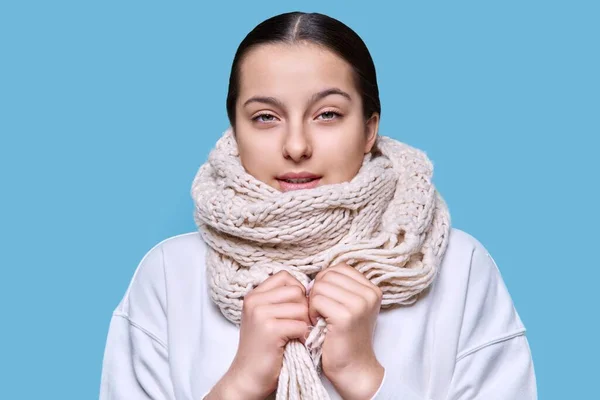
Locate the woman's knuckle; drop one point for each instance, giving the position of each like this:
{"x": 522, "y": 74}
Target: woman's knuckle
{"x": 298, "y": 291}
{"x": 248, "y": 302}
{"x": 377, "y": 290}
{"x": 287, "y": 274}
{"x": 259, "y": 313}
{"x": 373, "y": 297}
{"x": 270, "y": 327}
{"x": 347, "y": 318}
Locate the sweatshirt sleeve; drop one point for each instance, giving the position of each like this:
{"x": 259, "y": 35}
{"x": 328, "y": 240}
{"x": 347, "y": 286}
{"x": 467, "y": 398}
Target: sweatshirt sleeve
{"x": 501, "y": 369}
{"x": 135, "y": 364}
{"x": 494, "y": 358}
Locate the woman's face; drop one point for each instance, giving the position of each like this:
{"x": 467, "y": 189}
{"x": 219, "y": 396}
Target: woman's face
{"x": 299, "y": 112}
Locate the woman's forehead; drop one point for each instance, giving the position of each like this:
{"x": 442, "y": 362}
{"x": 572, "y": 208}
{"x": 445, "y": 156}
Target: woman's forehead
{"x": 292, "y": 71}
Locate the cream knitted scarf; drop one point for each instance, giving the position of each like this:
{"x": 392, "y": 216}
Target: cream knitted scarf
{"x": 389, "y": 222}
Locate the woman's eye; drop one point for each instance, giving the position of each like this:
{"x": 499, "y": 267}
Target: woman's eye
{"x": 257, "y": 118}
{"x": 331, "y": 114}
{"x": 328, "y": 115}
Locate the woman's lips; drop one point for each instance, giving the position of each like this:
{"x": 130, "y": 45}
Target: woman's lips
{"x": 287, "y": 186}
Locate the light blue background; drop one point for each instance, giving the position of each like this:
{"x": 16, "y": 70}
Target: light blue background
{"x": 107, "y": 109}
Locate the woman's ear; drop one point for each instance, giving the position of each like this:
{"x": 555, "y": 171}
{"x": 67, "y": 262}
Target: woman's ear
{"x": 371, "y": 130}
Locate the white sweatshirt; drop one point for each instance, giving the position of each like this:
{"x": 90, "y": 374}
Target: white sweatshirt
{"x": 463, "y": 339}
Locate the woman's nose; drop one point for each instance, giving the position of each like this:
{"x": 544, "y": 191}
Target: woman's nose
{"x": 297, "y": 145}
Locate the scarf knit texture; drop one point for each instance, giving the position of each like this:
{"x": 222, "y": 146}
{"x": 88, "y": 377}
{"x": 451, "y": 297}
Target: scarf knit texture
{"x": 389, "y": 223}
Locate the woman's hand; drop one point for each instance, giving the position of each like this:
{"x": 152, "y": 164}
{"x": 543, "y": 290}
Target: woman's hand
{"x": 350, "y": 305}
{"x": 273, "y": 313}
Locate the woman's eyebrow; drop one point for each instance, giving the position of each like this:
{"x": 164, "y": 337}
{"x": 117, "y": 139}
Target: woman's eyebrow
{"x": 327, "y": 92}
{"x": 314, "y": 98}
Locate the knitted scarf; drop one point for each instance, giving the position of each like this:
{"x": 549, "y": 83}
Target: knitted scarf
{"x": 389, "y": 223}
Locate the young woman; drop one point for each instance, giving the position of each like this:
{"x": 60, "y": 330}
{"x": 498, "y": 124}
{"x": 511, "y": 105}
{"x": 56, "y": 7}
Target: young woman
{"x": 324, "y": 265}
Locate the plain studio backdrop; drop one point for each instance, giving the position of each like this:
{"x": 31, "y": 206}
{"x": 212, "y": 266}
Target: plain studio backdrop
{"x": 108, "y": 109}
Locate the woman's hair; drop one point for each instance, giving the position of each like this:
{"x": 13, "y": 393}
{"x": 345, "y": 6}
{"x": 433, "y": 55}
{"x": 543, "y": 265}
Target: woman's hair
{"x": 320, "y": 29}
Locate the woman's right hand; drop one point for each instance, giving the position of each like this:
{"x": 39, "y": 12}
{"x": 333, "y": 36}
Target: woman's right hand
{"x": 273, "y": 313}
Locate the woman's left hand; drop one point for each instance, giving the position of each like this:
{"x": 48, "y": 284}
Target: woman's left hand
{"x": 350, "y": 305}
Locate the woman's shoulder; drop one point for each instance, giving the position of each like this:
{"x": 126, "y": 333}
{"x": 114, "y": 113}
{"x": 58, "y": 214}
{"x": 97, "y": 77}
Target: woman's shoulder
{"x": 470, "y": 277}
{"x": 466, "y": 257}
{"x": 473, "y": 255}
{"x": 172, "y": 254}
{"x": 467, "y": 261}
{"x": 462, "y": 241}
{"x": 185, "y": 245}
